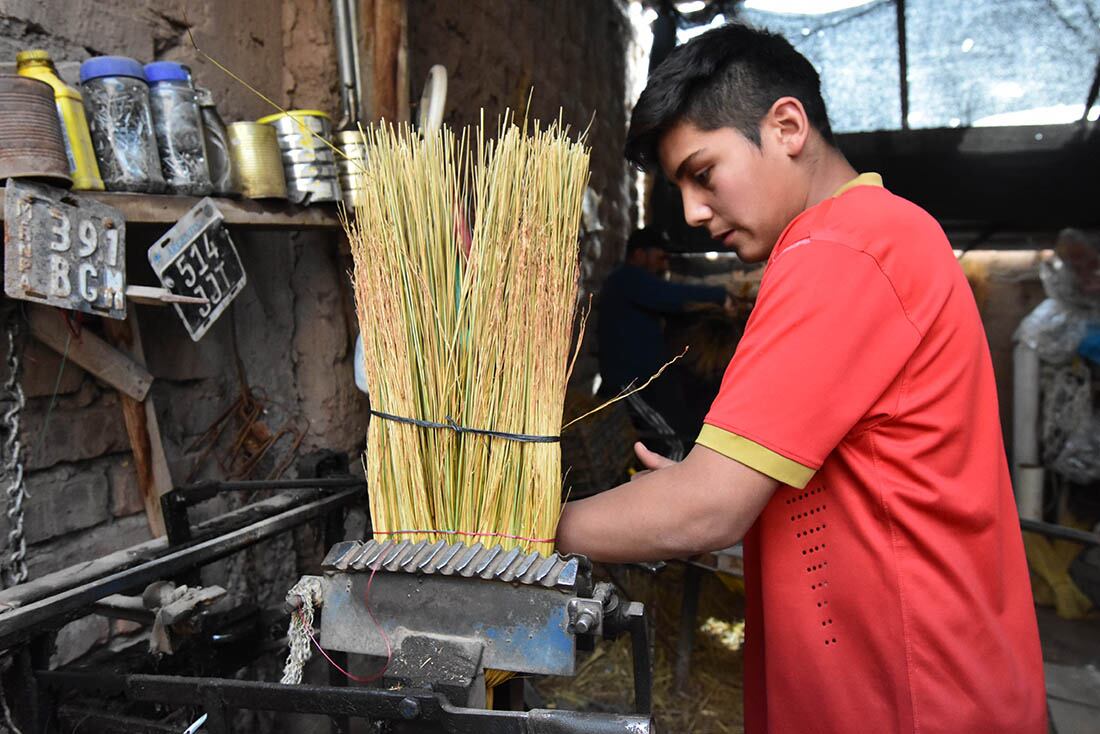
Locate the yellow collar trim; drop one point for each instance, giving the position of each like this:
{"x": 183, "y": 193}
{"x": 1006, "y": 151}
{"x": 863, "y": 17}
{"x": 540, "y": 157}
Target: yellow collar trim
{"x": 863, "y": 179}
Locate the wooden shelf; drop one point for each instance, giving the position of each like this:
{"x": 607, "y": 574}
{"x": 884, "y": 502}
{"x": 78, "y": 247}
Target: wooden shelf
{"x": 159, "y": 209}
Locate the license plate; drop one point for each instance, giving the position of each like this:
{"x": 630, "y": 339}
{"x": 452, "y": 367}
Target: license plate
{"x": 64, "y": 250}
{"x": 197, "y": 258}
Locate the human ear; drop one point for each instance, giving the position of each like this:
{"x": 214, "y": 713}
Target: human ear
{"x": 788, "y": 125}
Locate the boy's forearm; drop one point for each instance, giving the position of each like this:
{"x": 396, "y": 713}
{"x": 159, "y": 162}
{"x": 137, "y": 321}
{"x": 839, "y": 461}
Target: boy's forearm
{"x": 704, "y": 503}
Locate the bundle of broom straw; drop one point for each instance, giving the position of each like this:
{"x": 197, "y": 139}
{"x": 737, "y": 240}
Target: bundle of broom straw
{"x": 465, "y": 275}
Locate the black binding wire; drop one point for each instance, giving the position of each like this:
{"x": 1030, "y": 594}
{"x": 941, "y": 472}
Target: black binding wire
{"x": 453, "y": 426}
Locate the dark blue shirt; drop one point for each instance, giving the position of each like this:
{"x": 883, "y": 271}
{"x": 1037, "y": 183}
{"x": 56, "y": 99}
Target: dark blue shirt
{"x": 632, "y": 344}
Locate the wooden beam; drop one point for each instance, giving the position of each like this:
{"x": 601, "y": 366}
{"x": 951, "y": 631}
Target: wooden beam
{"x": 90, "y": 352}
{"x": 157, "y": 209}
{"x": 384, "y": 39}
{"x": 154, "y": 477}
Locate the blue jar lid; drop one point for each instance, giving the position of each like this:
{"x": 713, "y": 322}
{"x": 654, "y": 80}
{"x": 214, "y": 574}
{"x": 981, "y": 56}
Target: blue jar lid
{"x": 101, "y": 66}
{"x": 166, "y": 71}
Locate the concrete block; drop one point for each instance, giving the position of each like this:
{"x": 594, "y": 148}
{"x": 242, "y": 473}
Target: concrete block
{"x": 171, "y": 355}
{"x": 126, "y": 496}
{"x": 77, "y": 638}
{"x": 66, "y": 551}
{"x": 73, "y": 434}
{"x": 63, "y": 500}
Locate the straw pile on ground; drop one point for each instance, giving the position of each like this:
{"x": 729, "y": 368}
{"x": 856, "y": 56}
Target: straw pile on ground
{"x": 711, "y": 700}
{"x": 465, "y": 275}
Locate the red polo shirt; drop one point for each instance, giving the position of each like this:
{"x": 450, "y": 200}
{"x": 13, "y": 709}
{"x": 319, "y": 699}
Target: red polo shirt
{"x": 887, "y": 589}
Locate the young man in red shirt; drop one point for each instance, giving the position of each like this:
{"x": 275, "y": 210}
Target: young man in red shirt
{"x": 855, "y": 444}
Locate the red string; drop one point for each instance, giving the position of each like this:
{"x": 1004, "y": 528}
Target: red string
{"x": 389, "y": 649}
{"x": 465, "y": 533}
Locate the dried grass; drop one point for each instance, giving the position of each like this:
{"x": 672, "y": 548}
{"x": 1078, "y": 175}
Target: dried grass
{"x": 711, "y": 702}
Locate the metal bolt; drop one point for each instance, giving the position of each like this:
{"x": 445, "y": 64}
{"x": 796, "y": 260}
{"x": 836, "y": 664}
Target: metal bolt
{"x": 409, "y": 708}
{"x": 586, "y": 620}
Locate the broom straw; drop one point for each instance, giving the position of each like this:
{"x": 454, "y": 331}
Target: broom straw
{"x": 482, "y": 338}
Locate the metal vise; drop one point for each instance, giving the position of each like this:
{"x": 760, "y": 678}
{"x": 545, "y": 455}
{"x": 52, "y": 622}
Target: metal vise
{"x": 445, "y": 613}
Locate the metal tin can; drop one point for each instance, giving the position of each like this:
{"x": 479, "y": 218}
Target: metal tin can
{"x": 300, "y": 122}
{"x": 31, "y": 143}
{"x": 255, "y": 156}
{"x": 296, "y": 156}
{"x": 310, "y": 167}
{"x": 351, "y": 164}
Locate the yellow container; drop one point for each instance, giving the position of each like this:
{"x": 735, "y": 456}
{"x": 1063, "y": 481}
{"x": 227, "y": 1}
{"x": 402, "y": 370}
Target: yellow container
{"x": 74, "y": 126}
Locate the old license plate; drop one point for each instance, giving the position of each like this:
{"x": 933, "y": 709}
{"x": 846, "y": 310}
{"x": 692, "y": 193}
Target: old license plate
{"x": 64, "y": 250}
{"x": 197, "y": 258}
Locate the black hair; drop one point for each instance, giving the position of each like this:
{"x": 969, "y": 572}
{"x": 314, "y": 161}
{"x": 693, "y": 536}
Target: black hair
{"x": 647, "y": 238}
{"x": 727, "y": 77}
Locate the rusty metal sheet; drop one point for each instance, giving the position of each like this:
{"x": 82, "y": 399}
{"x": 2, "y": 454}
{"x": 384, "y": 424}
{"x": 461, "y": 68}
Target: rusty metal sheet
{"x": 64, "y": 250}
{"x": 197, "y": 258}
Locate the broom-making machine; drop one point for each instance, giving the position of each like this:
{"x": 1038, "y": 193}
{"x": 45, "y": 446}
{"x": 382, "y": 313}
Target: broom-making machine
{"x": 426, "y": 621}
{"x": 441, "y": 615}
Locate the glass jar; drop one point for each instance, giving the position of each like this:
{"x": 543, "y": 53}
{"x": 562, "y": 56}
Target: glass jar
{"x": 218, "y": 160}
{"x": 178, "y": 127}
{"x": 116, "y": 99}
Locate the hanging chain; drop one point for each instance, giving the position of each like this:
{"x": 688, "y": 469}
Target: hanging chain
{"x": 11, "y": 452}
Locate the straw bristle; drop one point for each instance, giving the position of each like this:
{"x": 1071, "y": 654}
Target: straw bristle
{"x": 465, "y": 283}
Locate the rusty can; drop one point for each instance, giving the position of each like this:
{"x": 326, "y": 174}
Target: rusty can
{"x": 255, "y": 156}
{"x": 31, "y": 143}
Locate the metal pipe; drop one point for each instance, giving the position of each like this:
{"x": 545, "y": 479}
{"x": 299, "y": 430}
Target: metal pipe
{"x": 23, "y": 623}
{"x": 353, "y": 39}
{"x": 1059, "y": 531}
{"x": 346, "y": 45}
{"x": 420, "y": 709}
{"x": 903, "y": 62}
{"x": 1027, "y": 469}
{"x": 87, "y": 571}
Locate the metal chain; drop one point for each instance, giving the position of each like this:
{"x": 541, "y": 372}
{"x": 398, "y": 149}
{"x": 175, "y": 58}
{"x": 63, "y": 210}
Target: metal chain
{"x": 308, "y": 590}
{"x": 8, "y": 724}
{"x": 11, "y": 451}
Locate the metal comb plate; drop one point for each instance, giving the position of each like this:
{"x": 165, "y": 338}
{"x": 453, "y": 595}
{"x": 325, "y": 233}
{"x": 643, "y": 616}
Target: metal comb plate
{"x": 456, "y": 559}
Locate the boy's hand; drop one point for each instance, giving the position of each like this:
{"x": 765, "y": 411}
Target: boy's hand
{"x": 650, "y": 460}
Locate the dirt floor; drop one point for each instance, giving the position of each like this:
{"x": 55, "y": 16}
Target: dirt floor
{"x": 711, "y": 700}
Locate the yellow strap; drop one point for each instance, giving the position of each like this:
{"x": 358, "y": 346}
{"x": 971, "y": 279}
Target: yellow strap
{"x": 755, "y": 456}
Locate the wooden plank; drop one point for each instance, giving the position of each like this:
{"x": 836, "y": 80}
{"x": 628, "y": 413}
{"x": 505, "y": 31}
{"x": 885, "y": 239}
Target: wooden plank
{"x": 384, "y": 29}
{"x": 90, "y": 352}
{"x": 156, "y": 209}
{"x": 154, "y": 477}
